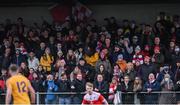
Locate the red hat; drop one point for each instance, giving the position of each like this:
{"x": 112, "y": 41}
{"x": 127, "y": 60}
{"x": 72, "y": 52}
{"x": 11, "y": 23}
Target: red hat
{"x": 156, "y": 48}
{"x": 146, "y": 57}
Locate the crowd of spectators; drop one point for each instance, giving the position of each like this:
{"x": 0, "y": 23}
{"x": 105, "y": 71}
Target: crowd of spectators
{"x": 116, "y": 56}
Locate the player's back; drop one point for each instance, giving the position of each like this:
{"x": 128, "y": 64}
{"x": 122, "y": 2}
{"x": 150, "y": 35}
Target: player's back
{"x": 19, "y": 85}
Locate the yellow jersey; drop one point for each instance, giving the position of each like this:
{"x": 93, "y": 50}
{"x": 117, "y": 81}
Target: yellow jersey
{"x": 19, "y": 85}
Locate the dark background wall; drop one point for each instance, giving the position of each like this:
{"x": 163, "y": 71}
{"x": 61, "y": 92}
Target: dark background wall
{"x": 139, "y": 12}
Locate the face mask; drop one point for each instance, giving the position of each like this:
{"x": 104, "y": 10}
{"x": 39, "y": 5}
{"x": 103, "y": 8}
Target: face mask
{"x": 166, "y": 79}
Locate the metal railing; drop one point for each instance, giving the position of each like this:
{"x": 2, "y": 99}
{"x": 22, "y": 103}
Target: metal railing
{"x": 171, "y": 95}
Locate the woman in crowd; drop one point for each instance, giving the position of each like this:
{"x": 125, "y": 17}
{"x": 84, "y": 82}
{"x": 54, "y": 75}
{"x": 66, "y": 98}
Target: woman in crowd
{"x": 112, "y": 90}
{"x": 47, "y": 60}
{"x": 138, "y": 86}
{"x": 167, "y": 85}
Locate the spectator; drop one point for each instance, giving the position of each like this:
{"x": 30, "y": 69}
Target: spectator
{"x": 169, "y": 51}
{"x": 91, "y": 56}
{"x": 33, "y": 62}
{"x": 146, "y": 51}
{"x": 6, "y": 58}
{"x": 166, "y": 69}
{"x": 158, "y": 44}
{"x": 117, "y": 72}
{"x": 51, "y": 45}
{"x": 148, "y": 35}
{"x": 112, "y": 89}
{"x": 70, "y": 61}
{"x": 31, "y": 72}
{"x": 74, "y": 73}
{"x": 114, "y": 55}
{"x": 24, "y": 70}
{"x": 135, "y": 41}
{"x": 60, "y": 55}
{"x": 130, "y": 71}
{"x": 78, "y": 86}
{"x": 138, "y": 86}
{"x": 167, "y": 85}
{"x": 127, "y": 86}
{"x": 128, "y": 49}
{"x": 37, "y": 82}
{"x": 60, "y": 67}
{"x": 41, "y": 73}
{"x": 64, "y": 86}
{"x": 50, "y": 88}
{"x": 4, "y": 76}
{"x": 146, "y": 69}
{"x": 177, "y": 88}
{"x": 100, "y": 85}
{"x": 177, "y": 71}
{"x": 18, "y": 58}
{"x": 86, "y": 70}
{"x": 150, "y": 86}
{"x": 45, "y": 35}
{"x": 121, "y": 62}
{"x": 47, "y": 60}
{"x": 175, "y": 55}
{"x": 41, "y": 50}
{"x": 79, "y": 53}
{"x": 137, "y": 56}
{"x": 158, "y": 58}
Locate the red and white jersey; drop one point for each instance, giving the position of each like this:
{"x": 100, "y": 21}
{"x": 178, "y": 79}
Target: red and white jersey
{"x": 94, "y": 99}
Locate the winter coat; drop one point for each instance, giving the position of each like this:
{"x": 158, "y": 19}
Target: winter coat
{"x": 64, "y": 86}
{"x": 92, "y": 59}
{"x": 127, "y": 98}
{"x": 151, "y": 98}
{"x": 50, "y": 88}
{"x": 46, "y": 61}
{"x": 167, "y": 98}
{"x": 122, "y": 64}
{"x": 102, "y": 87}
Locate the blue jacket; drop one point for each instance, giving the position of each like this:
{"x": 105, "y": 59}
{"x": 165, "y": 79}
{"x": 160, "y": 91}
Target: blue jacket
{"x": 151, "y": 98}
{"x": 50, "y": 88}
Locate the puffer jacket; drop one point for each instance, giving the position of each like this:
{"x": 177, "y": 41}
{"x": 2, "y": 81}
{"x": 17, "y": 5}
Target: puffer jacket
{"x": 92, "y": 59}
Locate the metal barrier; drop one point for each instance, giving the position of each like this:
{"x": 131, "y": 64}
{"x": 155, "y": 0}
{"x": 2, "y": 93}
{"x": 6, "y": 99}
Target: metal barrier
{"x": 158, "y": 97}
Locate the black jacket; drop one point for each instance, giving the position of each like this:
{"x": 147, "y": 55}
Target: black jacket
{"x": 64, "y": 86}
{"x": 127, "y": 98}
{"x": 102, "y": 88}
{"x": 145, "y": 70}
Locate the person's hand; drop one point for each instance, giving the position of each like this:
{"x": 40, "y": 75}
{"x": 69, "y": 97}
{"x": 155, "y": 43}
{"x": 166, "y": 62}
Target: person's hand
{"x": 153, "y": 60}
{"x": 72, "y": 87}
{"x": 149, "y": 90}
{"x": 6, "y": 55}
{"x": 178, "y": 82}
{"x": 96, "y": 89}
{"x": 125, "y": 43}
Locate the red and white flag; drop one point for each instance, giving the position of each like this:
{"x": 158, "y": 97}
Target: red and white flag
{"x": 60, "y": 12}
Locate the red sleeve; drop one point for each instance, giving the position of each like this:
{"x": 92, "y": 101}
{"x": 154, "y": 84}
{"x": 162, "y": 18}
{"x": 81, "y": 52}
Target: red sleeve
{"x": 2, "y": 84}
{"x": 101, "y": 98}
{"x": 84, "y": 102}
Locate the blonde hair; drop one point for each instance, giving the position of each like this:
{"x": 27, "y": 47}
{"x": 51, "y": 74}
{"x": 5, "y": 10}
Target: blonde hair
{"x": 89, "y": 84}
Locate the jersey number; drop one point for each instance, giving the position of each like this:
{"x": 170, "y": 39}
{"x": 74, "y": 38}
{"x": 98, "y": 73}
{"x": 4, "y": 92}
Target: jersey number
{"x": 21, "y": 86}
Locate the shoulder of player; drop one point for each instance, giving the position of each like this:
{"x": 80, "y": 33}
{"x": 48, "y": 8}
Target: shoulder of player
{"x": 22, "y": 76}
{"x": 95, "y": 95}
